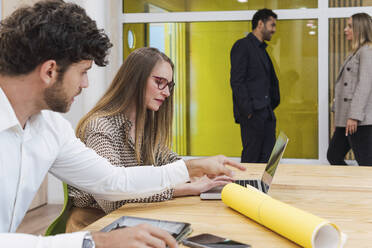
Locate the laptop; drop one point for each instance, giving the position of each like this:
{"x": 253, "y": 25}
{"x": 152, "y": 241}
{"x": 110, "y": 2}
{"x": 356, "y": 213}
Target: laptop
{"x": 267, "y": 177}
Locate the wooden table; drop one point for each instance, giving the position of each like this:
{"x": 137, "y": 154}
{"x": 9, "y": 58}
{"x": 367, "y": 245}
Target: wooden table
{"x": 341, "y": 194}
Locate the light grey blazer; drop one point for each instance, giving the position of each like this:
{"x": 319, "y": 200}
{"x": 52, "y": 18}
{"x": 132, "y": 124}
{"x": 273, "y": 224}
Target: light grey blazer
{"x": 353, "y": 89}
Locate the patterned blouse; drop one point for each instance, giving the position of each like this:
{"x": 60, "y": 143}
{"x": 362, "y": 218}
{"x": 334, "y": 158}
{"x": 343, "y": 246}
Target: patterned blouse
{"x": 110, "y": 137}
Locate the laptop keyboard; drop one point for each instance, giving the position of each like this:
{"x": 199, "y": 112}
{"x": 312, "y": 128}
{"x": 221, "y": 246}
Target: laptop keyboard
{"x": 258, "y": 184}
{"x": 215, "y": 193}
{"x": 244, "y": 183}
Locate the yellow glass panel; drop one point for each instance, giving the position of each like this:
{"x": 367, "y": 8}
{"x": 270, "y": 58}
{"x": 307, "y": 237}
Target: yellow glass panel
{"x": 139, "y": 6}
{"x": 294, "y": 50}
{"x": 294, "y": 54}
{"x": 210, "y": 126}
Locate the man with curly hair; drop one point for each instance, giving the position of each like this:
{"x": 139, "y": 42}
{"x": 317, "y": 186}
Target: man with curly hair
{"x": 45, "y": 53}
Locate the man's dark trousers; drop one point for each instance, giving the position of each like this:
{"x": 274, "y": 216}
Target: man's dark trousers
{"x": 258, "y": 136}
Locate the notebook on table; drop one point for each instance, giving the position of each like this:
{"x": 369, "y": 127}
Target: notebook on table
{"x": 267, "y": 176}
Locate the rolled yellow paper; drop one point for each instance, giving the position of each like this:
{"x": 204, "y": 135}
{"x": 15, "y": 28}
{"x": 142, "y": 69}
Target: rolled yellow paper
{"x": 297, "y": 225}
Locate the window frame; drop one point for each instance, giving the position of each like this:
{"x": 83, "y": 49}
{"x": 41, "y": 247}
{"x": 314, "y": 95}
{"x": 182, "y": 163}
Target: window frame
{"x": 323, "y": 13}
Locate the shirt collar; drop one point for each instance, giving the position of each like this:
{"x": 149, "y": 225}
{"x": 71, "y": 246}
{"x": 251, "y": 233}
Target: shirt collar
{"x": 258, "y": 43}
{"x": 8, "y": 117}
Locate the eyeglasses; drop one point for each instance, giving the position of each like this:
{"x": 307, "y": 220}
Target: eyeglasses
{"x": 162, "y": 83}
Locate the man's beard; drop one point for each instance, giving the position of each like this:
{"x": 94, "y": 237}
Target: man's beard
{"x": 266, "y": 35}
{"x": 56, "y": 98}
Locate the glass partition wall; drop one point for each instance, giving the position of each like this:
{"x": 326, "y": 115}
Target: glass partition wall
{"x": 151, "y": 6}
{"x": 199, "y": 37}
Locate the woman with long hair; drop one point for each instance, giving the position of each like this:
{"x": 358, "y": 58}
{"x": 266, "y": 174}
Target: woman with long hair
{"x": 353, "y": 96}
{"x": 131, "y": 125}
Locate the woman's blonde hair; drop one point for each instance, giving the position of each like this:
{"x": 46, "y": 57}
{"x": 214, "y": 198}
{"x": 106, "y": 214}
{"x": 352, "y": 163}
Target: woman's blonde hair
{"x": 153, "y": 129}
{"x": 362, "y": 30}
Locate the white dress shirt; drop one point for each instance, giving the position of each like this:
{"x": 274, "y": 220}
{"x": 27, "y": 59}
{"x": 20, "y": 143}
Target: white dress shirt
{"x": 48, "y": 143}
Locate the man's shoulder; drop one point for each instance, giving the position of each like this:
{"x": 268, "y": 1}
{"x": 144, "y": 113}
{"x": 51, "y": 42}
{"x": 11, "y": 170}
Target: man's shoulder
{"x": 245, "y": 39}
{"x": 242, "y": 43}
{"x": 54, "y": 119}
{"x": 53, "y": 123}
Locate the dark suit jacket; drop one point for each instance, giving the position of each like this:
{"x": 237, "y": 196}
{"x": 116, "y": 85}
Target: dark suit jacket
{"x": 254, "y": 84}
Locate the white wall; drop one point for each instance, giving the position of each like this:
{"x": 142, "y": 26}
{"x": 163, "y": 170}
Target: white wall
{"x": 99, "y": 79}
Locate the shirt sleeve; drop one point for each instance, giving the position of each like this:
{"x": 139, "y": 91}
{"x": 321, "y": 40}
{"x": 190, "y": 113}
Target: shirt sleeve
{"x": 363, "y": 89}
{"x": 84, "y": 169}
{"x": 238, "y": 75}
{"x": 109, "y": 206}
{"x": 18, "y": 240}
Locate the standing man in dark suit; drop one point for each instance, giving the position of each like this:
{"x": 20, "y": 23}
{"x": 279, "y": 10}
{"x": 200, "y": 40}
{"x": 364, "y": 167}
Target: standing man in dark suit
{"x": 255, "y": 89}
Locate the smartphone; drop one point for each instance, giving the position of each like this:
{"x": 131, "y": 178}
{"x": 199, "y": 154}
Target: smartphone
{"x": 207, "y": 240}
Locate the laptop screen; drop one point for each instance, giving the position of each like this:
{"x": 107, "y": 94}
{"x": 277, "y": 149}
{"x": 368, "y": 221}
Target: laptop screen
{"x": 276, "y": 155}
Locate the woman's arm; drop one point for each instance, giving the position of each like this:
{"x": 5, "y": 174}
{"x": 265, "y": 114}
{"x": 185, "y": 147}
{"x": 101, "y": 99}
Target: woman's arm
{"x": 104, "y": 144}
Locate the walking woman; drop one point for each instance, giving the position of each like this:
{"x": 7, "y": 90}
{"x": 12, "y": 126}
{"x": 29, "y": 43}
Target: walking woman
{"x": 353, "y": 96}
{"x": 131, "y": 125}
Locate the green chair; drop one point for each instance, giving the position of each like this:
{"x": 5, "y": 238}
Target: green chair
{"x": 59, "y": 224}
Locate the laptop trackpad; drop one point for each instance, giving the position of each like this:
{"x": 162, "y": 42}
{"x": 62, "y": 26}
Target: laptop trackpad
{"x": 212, "y": 194}
{"x": 217, "y": 189}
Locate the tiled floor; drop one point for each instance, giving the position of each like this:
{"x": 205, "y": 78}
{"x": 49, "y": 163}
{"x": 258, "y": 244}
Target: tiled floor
{"x": 38, "y": 220}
